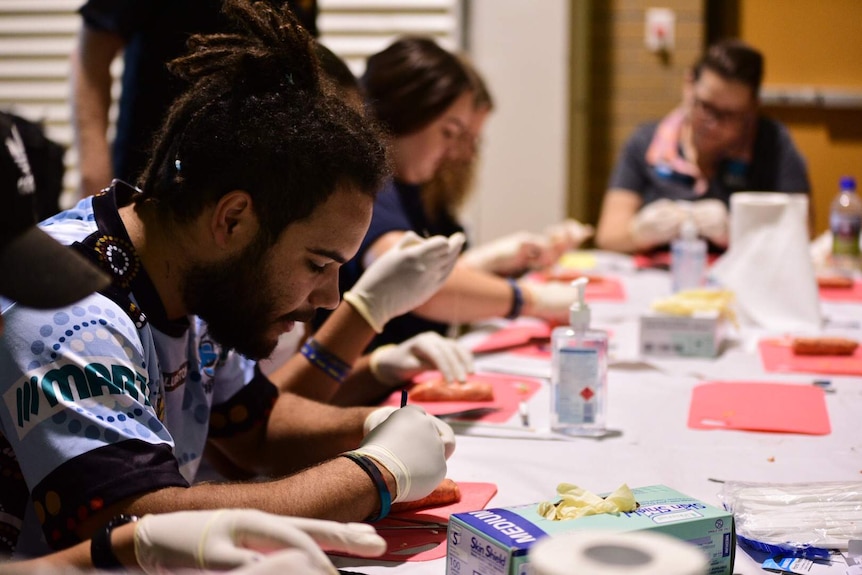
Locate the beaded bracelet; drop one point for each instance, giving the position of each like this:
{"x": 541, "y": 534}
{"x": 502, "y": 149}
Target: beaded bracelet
{"x": 323, "y": 359}
{"x": 370, "y": 468}
{"x": 517, "y": 300}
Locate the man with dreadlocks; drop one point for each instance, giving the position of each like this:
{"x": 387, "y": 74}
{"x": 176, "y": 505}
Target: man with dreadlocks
{"x": 260, "y": 186}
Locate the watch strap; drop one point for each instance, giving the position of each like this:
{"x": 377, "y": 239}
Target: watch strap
{"x": 101, "y": 550}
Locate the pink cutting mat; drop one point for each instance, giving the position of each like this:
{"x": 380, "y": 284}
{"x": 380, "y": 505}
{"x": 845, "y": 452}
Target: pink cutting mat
{"x": 777, "y": 355}
{"x": 758, "y": 406}
{"x": 428, "y": 544}
{"x": 842, "y": 294}
{"x": 513, "y": 336}
{"x": 602, "y": 288}
{"x": 661, "y": 259}
{"x": 509, "y": 391}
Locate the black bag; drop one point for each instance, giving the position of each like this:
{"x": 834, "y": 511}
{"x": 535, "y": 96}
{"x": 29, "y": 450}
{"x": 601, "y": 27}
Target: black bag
{"x": 46, "y": 161}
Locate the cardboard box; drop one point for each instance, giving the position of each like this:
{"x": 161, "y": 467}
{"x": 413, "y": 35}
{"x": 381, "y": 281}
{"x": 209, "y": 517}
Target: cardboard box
{"x": 663, "y": 335}
{"x": 497, "y": 541}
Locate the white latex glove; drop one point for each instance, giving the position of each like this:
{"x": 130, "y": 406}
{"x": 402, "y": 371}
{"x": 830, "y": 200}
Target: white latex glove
{"x": 550, "y": 301}
{"x": 404, "y": 277}
{"x": 379, "y": 415}
{"x": 394, "y": 364}
{"x": 568, "y": 234}
{"x": 411, "y": 445}
{"x": 711, "y": 218}
{"x": 657, "y": 223}
{"x": 512, "y": 254}
{"x": 228, "y": 538}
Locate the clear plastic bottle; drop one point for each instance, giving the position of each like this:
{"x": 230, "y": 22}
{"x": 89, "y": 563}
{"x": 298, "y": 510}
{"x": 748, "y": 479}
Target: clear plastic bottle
{"x": 687, "y": 258}
{"x": 579, "y": 373}
{"x": 845, "y": 222}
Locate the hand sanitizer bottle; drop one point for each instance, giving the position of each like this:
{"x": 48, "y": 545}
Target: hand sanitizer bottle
{"x": 688, "y": 258}
{"x": 579, "y": 372}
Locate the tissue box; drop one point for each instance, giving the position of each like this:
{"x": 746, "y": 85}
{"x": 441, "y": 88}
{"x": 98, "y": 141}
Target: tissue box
{"x": 697, "y": 335}
{"x": 496, "y": 541}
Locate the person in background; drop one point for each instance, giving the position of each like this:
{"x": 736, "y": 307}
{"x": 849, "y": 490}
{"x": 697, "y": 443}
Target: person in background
{"x": 260, "y": 185}
{"x": 406, "y": 277}
{"x": 688, "y": 164}
{"x": 149, "y": 34}
{"x": 453, "y": 184}
{"x": 425, "y": 98}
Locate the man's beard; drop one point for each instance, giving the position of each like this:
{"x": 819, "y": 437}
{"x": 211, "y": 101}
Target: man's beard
{"x": 233, "y": 298}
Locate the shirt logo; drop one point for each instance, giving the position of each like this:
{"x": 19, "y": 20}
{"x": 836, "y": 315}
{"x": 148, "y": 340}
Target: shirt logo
{"x": 44, "y": 391}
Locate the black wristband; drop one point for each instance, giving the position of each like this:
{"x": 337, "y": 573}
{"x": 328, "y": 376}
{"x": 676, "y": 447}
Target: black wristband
{"x": 517, "y": 300}
{"x": 101, "y": 551}
{"x": 370, "y": 468}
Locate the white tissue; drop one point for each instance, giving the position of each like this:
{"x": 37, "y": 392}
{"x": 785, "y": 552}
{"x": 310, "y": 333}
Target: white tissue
{"x": 768, "y": 263}
{"x": 606, "y": 553}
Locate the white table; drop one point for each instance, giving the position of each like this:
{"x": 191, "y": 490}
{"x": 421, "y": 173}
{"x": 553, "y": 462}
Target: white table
{"x": 648, "y": 403}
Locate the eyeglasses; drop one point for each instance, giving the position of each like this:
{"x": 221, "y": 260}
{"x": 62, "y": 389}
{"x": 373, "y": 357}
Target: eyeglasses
{"x": 717, "y": 115}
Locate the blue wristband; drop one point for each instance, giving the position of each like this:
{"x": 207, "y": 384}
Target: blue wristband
{"x": 323, "y": 359}
{"x": 370, "y": 468}
{"x": 517, "y": 300}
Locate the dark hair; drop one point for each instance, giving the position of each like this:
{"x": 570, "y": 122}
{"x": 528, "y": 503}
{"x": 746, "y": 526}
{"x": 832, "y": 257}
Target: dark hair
{"x": 336, "y": 70}
{"x": 257, "y": 118}
{"x": 735, "y": 60}
{"x": 410, "y": 83}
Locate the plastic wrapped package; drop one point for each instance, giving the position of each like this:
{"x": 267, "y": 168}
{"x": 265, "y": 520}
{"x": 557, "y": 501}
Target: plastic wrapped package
{"x": 807, "y": 519}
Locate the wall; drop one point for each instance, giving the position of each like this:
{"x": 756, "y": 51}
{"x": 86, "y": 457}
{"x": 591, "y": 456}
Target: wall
{"x": 815, "y": 45}
{"x": 521, "y": 48}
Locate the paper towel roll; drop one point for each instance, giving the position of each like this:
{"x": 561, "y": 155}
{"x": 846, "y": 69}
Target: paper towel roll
{"x": 768, "y": 264}
{"x": 752, "y": 211}
{"x": 605, "y": 553}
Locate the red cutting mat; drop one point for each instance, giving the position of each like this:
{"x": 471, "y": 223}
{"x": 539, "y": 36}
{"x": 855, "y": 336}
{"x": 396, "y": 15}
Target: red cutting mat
{"x": 603, "y": 288}
{"x": 777, "y": 356}
{"x": 513, "y": 336}
{"x": 428, "y": 544}
{"x": 853, "y": 293}
{"x": 759, "y": 406}
{"x": 509, "y": 391}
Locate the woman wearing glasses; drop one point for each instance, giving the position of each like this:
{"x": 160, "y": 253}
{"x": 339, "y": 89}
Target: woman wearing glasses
{"x": 689, "y": 163}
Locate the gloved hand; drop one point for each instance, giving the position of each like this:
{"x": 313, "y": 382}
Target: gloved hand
{"x": 379, "y": 415}
{"x": 411, "y": 445}
{"x": 404, "y": 277}
{"x": 657, "y": 223}
{"x": 512, "y": 254}
{"x": 227, "y": 538}
{"x": 711, "y": 218}
{"x": 568, "y": 235}
{"x": 395, "y": 364}
{"x": 550, "y": 301}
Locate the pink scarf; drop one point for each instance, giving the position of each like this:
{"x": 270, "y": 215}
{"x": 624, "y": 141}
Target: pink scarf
{"x": 664, "y": 150}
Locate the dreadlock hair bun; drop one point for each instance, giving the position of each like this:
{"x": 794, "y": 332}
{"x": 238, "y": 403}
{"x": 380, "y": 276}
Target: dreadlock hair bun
{"x": 256, "y": 117}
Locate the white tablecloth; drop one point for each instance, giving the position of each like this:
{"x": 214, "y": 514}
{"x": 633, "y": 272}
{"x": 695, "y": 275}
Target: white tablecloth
{"x": 648, "y": 404}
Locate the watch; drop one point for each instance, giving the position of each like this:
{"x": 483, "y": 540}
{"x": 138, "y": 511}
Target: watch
{"x": 101, "y": 551}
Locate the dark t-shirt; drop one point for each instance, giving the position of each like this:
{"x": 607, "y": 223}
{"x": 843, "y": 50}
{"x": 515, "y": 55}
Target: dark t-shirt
{"x": 156, "y": 32}
{"x": 776, "y": 165}
{"x": 398, "y": 208}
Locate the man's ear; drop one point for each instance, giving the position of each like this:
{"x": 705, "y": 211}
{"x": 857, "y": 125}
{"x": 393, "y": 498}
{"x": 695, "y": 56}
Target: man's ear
{"x": 233, "y": 222}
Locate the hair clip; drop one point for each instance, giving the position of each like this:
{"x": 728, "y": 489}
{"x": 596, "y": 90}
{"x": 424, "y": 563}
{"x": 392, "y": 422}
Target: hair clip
{"x": 178, "y": 165}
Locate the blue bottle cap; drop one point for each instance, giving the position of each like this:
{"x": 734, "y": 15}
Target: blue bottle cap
{"x": 848, "y": 183}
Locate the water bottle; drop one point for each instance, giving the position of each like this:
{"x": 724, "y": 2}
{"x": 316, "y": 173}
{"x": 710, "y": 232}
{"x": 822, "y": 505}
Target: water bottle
{"x": 687, "y": 258}
{"x": 845, "y": 222}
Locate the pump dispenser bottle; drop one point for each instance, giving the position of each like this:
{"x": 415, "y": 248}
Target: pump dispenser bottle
{"x": 579, "y": 372}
